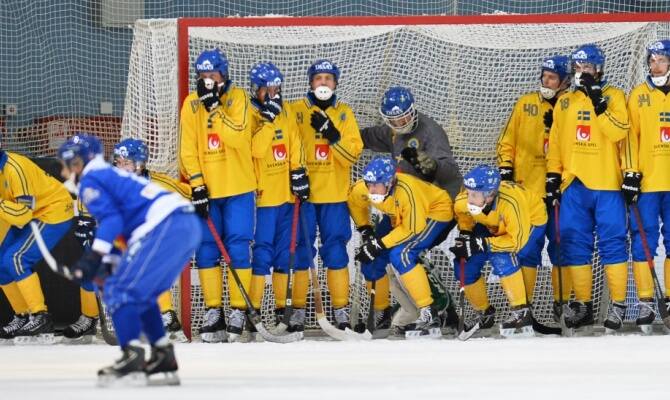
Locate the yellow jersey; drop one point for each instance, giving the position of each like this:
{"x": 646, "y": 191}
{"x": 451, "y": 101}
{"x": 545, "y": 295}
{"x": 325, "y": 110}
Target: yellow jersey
{"x": 411, "y": 203}
{"x": 329, "y": 165}
{"x": 169, "y": 183}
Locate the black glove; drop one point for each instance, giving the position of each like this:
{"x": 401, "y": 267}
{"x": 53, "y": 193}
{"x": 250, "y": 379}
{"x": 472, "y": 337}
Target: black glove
{"x": 421, "y": 162}
{"x": 323, "y": 125}
{"x": 208, "y": 97}
{"x": 631, "y": 186}
{"x": 369, "y": 250}
{"x": 271, "y": 107}
{"x": 595, "y": 93}
{"x": 466, "y": 246}
{"x": 507, "y": 173}
{"x": 367, "y": 233}
{"x": 553, "y": 189}
{"x": 300, "y": 184}
{"x": 200, "y": 200}
{"x": 85, "y": 230}
{"x": 548, "y": 119}
{"x": 86, "y": 269}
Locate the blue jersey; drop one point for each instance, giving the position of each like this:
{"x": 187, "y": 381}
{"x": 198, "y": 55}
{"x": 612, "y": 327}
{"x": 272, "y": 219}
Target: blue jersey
{"x": 123, "y": 203}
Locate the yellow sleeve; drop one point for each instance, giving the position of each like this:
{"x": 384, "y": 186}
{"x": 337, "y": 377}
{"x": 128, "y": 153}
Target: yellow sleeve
{"x": 171, "y": 184}
{"x": 262, "y": 139}
{"x": 631, "y": 145}
{"x": 517, "y": 226}
{"x": 463, "y": 217}
{"x": 189, "y": 156}
{"x": 614, "y": 121}
{"x": 4, "y": 228}
{"x": 14, "y": 213}
{"x": 17, "y": 211}
{"x": 359, "y": 204}
{"x": 350, "y": 145}
{"x": 554, "y": 163}
{"x": 296, "y": 152}
{"x": 506, "y": 146}
{"x": 231, "y": 119}
{"x": 412, "y": 216}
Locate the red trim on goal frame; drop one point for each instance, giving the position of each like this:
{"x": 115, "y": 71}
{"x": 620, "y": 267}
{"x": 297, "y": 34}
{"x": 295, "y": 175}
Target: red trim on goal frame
{"x": 183, "y": 24}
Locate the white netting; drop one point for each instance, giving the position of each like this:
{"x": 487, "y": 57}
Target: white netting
{"x": 467, "y": 77}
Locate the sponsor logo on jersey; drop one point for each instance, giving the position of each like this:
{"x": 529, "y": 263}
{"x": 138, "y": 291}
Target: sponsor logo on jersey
{"x": 213, "y": 141}
{"x": 546, "y": 145}
{"x": 413, "y": 142}
{"x": 584, "y": 133}
{"x": 665, "y": 134}
{"x": 279, "y": 152}
{"x": 205, "y": 66}
{"x": 321, "y": 152}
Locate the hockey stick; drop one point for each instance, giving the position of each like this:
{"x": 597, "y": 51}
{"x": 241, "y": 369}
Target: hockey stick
{"x": 370, "y": 325}
{"x": 660, "y": 302}
{"x": 251, "y": 312}
{"x": 108, "y": 336}
{"x": 288, "y": 309}
{"x": 325, "y": 325}
{"x": 557, "y": 230}
{"x": 463, "y": 334}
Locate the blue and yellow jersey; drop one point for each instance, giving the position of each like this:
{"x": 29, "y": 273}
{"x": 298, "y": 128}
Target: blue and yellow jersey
{"x": 30, "y": 193}
{"x": 514, "y": 211}
{"x": 647, "y": 149}
{"x": 277, "y": 149}
{"x": 523, "y": 142}
{"x": 411, "y": 203}
{"x": 585, "y": 145}
{"x": 215, "y": 147}
{"x": 329, "y": 165}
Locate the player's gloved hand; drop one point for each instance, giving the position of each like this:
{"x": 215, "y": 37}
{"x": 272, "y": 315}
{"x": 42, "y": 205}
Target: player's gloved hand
{"x": 369, "y": 250}
{"x": 85, "y": 230}
{"x": 323, "y": 125}
{"x": 421, "y": 162}
{"x": 200, "y": 200}
{"x": 553, "y": 188}
{"x": 548, "y": 119}
{"x": 466, "y": 246}
{"x": 300, "y": 184}
{"x": 506, "y": 173}
{"x": 271, "y": 107}
{"x": 208, "y": 93}
{"x": 631, "y": 186}
{"x": 86, "y": 269}
{"x": 367, "y": 233}
{"x": 595, "y": 93}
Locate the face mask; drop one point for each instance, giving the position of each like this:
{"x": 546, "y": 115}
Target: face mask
{"x": 376, "y": 198}
{"x": 577, "y": 79}
{"x": 209, "y": 83}
{"x": 323, "y": 93}
{"x": 475, "y": 210}
{"x": 547, "y": 93}
{"x": 659, "y": 81}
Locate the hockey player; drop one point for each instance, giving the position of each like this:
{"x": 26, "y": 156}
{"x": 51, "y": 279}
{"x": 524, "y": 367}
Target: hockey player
{"x": 163, "y": 232}
{"x": 646, "y": 178}
{"x": 279, "y": 164}
{"x": 28, "y": 194}
{"x": 419, "y": 143}
{"x": 584, "y": 170}
{"x": 418, "y": 212}
{"x": 521, "y": 154}
{"x": 215, "y": 157}
{"x": 332, "y": 144}
{"x": 498, "y": 222}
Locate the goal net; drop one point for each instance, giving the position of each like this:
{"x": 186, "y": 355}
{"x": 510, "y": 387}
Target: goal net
{"x": 465, "y": 73}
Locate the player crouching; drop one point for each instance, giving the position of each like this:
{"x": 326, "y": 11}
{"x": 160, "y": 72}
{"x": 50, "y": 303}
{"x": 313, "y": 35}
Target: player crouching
{"x": 419, "y": 212}
{"x": 163, "y": 232}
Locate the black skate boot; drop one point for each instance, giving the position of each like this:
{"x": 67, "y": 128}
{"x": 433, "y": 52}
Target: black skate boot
{"x": 7, "y": 332}
{"x": 646, "y": 316}
{"x": 236, "y": 321}
{"x": 161, "y": 369}
{"x": 557, "y": 311}
{"x": 297, "y": 321}
{"x": 484, "y": 320}
{"x": 38, "y": 330}
{"x": 426, "y": 326}
{"x": 213, "y": 330}
{"x": 342, "y": 318}
{"x": 579, "y": 318}
{"x": 81, "y": 331}
{"x": 126, "y": 371}
{"x": 173, "y": 327}
{"x": 615, "y": 315}
{"x": 519, "y": 323}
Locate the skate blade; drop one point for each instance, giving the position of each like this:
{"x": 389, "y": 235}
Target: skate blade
{"x": 133, "y": 379}
{"x": 213, "y": 337}
{"x": 164, "y": 379}
{"x": 511, "y": 333}
{"x": 37, "y": 340}
{"x": 431, "y": 333}
{"x": 666, "y": 330}
{"x": 86, "y": 339}
{"x": 7, "y": 342}
{"x": 234, "y": 337}
{"x": 178, "y": 337}
{"x": 583, "y": 331}
{"x": 381, "y": 333}
{"x": 646, "y": 329}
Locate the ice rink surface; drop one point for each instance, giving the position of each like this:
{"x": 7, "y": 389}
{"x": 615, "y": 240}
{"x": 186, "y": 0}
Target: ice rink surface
{"x": 613, "y": 367}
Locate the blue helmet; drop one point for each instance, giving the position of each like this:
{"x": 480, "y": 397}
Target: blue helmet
{"x": 482, "y": 178}
{"x": 211, "y": 61}
{"x": 557, "y": 64}
{"x": 589, "y": 54}
{"x": 323, "y": 66}
{"x": 380, "y": 170}
{"x": 264, "y": 74}
{"x": 132, "y": 149}
{"x": 661, "y": 48}
{"x": 80, "y": 145}
{"x": 397, "y": 105}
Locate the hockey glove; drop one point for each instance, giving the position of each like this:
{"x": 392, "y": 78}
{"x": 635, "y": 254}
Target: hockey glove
{"x": 553, "y": 189}
{"x": 300, "y": 184}
{"x": 421, "y": 162}
{"x": 507, "y": 173}
{"x": 367, "y": 233}
{"x": 466, "y": 246}
{"x": 208, "y": 97}
{"x": 323, "y": 125}
{"x": 271, "y": 108}
{"x": 85, "y": 230}
{"x": 86, "y": 269}
{"x": 631, "y": 186}
{"x": 200, "y": 200}
{"x": 548, "y": 119}
{"x": 595, "y": 93}
{"x": 370, "y": 250}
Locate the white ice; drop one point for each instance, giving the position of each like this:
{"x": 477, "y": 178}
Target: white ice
{"x": 622, "y": 367}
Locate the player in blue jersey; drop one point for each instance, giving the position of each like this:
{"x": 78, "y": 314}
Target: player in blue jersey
{"x": 163, "y": 234}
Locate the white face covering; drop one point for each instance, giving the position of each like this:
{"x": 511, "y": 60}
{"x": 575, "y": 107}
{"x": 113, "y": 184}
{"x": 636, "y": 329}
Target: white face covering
{"x": 660, "y": 80}
{"x": 209, "y": 83}
{"x": 323, "y": 93}
{"x": 475, "y": 210}
{"x": 376, "y": 198}
{"x": 577, "y": 79}
{"x": 547, "y": 93}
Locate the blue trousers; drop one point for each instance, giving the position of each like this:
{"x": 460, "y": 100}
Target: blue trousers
{"x": 334, "y": 224}
{"x": 655, "y": 213}
{"x": 531, "y": 253}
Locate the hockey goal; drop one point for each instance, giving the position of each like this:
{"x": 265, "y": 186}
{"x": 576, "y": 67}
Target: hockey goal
{"x": 466, "y": 72}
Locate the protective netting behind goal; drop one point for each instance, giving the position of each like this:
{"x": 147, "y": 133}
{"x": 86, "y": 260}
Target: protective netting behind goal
{"x": 467, "y": 77}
